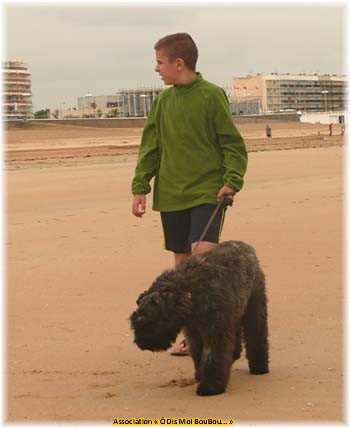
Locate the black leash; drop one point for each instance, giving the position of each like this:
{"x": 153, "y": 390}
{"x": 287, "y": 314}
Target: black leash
{"x": 225, "y": 201}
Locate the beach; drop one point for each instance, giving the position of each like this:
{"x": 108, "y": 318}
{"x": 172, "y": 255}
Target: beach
{"x": 77, "y": 259}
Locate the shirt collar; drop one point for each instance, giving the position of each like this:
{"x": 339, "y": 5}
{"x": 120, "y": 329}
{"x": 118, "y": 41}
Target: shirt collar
{"x": 190, "y": 85}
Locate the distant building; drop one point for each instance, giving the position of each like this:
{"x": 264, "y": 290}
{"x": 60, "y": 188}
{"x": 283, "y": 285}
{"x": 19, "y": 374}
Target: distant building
{"x": 323, "y": 117}
{"x": 98, "y": 102}
{"x": 246, "y": 105}
{"x": 137, "y": 102}
{"x": 125, "y": 103}
{"x": 285, "y": 92}
{"x": 17, "y": 92}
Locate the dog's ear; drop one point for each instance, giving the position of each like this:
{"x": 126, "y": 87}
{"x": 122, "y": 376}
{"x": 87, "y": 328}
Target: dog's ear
{"x": 156, "y": 298}
{"x": 153, "y": 296}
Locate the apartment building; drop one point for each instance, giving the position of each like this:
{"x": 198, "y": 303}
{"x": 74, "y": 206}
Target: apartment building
{"x": 285, "y": 92}
{"x": 17, "y": 92}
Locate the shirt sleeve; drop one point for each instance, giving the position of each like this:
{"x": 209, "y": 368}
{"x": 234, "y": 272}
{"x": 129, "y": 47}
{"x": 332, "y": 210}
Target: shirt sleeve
{"x": 235, "y": 157}
{"x": 149, "y": 155}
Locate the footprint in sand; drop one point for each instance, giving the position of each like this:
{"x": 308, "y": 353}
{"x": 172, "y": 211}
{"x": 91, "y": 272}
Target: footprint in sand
{"x": 108, "y": 395}
{"x": 182, "y": 383}
{"x": 101, "y": 385}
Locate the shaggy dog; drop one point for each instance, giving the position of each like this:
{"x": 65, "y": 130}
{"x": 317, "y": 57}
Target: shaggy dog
{"x": 215, "y": 297}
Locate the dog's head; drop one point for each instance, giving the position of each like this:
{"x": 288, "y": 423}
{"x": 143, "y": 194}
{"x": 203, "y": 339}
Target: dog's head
{"x": 159, "y": 318}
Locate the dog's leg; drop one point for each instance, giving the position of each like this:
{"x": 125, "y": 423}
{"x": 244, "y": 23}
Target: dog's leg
{"x": 195, "y": 345}
{"x": 238, "y": 346}
{"x": 216, "y": 364}
{"x": 256, "y": 329}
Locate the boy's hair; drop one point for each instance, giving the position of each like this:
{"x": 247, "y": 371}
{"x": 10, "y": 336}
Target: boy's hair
{"x": 179, "y": 45}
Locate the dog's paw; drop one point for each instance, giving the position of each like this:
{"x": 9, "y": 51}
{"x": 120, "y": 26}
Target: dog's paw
{"x": 258, "y": 370}
{"x": 205, "y": 390}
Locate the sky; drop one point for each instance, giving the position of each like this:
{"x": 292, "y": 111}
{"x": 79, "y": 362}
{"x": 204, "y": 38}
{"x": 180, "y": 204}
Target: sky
{"x": 102, "y": 48}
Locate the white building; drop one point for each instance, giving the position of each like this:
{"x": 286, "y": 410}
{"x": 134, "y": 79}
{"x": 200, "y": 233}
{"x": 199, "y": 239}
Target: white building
{"x": 323, "y": 117}
{"x": 17, "y": 91}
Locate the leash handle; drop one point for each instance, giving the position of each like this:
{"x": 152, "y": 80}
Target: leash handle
{"x": 226, "y": 201}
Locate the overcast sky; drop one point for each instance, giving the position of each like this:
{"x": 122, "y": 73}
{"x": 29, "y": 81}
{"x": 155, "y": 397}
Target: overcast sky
{"x": 73, "y": 50}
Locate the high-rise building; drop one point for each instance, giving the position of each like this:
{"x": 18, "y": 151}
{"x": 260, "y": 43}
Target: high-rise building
{"x": 17, "y": 91}
{"x": 286, "y": 92}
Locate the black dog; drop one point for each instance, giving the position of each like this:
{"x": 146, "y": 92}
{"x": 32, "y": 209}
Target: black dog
{"x": 214, "y": 297}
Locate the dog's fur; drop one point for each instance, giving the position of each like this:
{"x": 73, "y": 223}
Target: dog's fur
{"x": 214, "y": 297}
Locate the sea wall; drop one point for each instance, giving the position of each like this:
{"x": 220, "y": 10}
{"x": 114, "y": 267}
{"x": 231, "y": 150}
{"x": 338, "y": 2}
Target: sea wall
{"x": 137, "y": 122}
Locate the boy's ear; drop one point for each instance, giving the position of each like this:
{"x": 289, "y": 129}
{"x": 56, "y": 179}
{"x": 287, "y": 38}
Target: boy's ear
{"x": 180, "y": 63}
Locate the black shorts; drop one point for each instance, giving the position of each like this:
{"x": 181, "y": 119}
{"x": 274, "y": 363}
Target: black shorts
{"x": 183, "y": 228}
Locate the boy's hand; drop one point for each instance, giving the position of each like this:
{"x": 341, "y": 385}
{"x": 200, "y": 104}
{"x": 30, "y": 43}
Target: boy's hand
{"x": 226, "y": 190}
{"x": 139, "y": 205}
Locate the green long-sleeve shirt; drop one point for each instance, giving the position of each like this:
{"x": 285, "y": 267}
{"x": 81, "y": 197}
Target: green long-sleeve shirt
{"x": 191, "y": 146}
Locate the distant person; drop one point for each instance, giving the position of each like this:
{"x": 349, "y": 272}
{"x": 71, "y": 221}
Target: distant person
{"x": 268, "y": 131}
{"x": 330, "y": 126}
{"x": 342, "y": 132}
{"x": 192, "y": 148}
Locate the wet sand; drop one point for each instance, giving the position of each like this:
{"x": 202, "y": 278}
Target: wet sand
{"x": 77, "y": 260}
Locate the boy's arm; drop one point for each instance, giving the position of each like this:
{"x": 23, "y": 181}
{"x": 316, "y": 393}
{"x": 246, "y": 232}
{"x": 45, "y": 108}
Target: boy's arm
{"x": 235, "y": 157}
{"x": 148, "y": 157}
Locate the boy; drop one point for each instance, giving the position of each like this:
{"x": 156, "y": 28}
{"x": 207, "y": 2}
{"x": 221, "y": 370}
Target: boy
{"x": 192, "y": 148}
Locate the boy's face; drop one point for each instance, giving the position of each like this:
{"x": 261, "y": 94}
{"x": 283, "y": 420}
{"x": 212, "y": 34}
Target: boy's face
{"x": 168, "y": 71}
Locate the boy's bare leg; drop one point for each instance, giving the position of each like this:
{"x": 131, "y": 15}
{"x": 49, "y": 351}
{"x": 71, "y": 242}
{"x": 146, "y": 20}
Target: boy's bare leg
{"x": 180, "y": 347}
{"x": 203, "y": 246}
{"x": 180, "y": 257}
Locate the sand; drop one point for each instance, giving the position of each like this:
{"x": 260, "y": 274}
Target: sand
{"x": 77, "y": 260}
